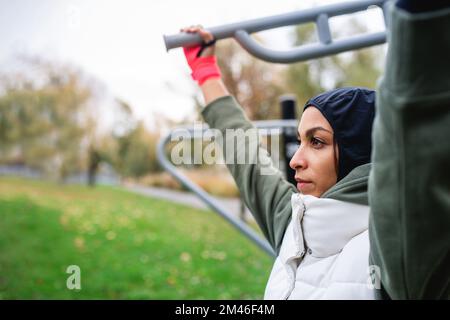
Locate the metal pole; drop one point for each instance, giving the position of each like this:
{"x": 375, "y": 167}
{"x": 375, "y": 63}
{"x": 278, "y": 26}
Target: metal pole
{"x": 288, "y": 106}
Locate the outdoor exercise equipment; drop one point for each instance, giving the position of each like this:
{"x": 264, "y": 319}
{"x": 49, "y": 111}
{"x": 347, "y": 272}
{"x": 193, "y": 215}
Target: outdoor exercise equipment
{"x": 241, "y": 31}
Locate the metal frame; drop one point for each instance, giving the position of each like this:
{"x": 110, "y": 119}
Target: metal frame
{"x": 241, "y": 31}
{"x": 208, "y": 199}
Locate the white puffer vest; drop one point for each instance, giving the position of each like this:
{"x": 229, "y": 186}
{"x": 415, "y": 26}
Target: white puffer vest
{"x": 324, "y": 253}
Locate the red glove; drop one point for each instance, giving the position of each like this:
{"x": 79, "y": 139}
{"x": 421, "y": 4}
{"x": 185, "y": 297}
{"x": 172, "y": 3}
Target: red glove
{"x": 203, "y": 68}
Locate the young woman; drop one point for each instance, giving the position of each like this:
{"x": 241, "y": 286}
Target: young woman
{"x": 320, "y": 234}
{"x": 319, "y": 230}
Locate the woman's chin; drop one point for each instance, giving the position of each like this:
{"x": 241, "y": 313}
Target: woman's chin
{"x": 306, "y": 188}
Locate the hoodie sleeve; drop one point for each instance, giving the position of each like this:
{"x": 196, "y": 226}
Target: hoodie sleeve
{"x": 409, "y": 185}
{"x": 262, "y": 186}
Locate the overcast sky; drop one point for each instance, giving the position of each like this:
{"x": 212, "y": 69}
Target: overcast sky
{"x": 120, "y": 42}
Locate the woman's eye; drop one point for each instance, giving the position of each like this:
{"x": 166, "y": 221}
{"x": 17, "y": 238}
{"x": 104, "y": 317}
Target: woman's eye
{"x": 316, "y": 143}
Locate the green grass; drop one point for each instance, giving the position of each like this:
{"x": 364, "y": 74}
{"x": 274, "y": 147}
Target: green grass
{"x": 126, "y": 245}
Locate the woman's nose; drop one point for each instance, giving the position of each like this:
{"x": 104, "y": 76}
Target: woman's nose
{"x": 298, "y": 160}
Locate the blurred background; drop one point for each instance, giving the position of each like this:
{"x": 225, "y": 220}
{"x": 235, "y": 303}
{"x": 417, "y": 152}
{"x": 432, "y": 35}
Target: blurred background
{"x": 86, "y": 91}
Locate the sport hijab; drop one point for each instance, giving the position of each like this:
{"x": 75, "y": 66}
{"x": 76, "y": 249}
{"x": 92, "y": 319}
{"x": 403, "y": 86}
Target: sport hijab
{"x": 350, "y": 112}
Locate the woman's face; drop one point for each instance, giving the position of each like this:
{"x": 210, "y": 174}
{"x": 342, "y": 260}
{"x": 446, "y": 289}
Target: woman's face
{"x": 316, "y": 158}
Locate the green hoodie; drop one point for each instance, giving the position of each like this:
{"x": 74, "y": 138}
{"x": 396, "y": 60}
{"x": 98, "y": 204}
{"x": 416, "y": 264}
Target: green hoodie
{"x": 409, "y": 185}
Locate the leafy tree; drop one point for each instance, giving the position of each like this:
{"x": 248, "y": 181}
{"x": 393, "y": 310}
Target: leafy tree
{"x": 45, "y": 117}
{"x": 255, "y": 84}
{"x": 356, "y": 68}
{"x": 136, "y": 153}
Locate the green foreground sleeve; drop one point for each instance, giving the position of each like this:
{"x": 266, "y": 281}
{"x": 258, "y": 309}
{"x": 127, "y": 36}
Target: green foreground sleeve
{"x": 262, "y": 186}
{"x": 409, "y": 185}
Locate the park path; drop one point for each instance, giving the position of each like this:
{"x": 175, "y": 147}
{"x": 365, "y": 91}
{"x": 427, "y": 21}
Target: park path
{"x": 232, "y": 205}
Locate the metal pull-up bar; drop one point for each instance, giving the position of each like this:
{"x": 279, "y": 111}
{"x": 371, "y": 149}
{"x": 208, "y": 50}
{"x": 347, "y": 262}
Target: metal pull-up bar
{"x": 320, "y": 16}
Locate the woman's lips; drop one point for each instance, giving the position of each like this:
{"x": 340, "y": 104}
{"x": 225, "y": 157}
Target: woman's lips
{"x": 302, "y": 185}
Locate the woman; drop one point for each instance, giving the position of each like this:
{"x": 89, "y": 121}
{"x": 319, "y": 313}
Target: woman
{"x": 319, "y": 230}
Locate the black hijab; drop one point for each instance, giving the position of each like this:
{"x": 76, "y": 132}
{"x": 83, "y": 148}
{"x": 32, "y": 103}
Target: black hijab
{"x": 350, "y": 112}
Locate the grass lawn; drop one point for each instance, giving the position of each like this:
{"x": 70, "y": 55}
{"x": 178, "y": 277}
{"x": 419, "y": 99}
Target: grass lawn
{"x": 126, "y": 245}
